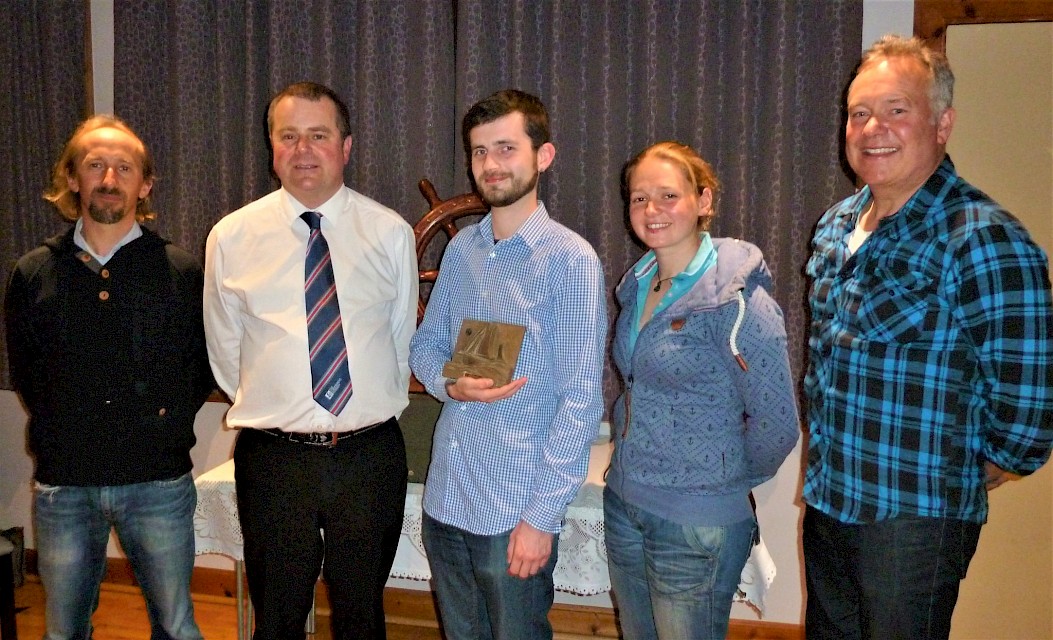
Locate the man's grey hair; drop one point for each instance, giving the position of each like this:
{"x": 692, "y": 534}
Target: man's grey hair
{"x": 941, "y": 78}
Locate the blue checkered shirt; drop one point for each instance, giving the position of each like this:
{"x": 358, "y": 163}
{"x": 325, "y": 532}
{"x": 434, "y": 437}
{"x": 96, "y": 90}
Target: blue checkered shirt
{"x": 931, "y": 352}
{"x": 522, "y": 458}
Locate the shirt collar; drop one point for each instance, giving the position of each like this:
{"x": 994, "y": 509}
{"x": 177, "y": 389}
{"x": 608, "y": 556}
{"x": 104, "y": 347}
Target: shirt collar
{"x": 921, "y": 203}
{"x": 529, "y": 233}
{"x": 332, "y": 208}
{"x": 78, "y": 239}
{"x": 646, "y": 265}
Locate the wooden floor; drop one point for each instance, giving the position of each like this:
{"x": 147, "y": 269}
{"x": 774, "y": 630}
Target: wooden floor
{"x": 410, "y": 614}
{"x": 122, "y": 616}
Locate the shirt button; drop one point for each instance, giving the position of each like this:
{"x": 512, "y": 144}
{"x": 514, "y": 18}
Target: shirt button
{"x": 104, "y": 295}
{"x": 105, "y": 273}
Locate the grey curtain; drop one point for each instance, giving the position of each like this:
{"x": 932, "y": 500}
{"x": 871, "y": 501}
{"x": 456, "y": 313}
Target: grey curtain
{"x": 42, "y": 98}
{"x": 195, "y": 78}
{"x": 755, "y": 86}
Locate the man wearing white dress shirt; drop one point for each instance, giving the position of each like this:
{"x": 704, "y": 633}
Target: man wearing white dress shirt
{"x": 314, "y": 483}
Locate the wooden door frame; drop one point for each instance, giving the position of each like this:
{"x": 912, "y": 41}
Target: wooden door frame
{"x": 932, "y": 17}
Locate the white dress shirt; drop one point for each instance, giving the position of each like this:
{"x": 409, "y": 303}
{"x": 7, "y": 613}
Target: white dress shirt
{"x": 255, "y": 318}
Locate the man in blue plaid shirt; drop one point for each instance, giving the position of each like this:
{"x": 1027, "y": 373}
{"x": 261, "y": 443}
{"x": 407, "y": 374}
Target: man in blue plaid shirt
{"x": 931, "y": 363}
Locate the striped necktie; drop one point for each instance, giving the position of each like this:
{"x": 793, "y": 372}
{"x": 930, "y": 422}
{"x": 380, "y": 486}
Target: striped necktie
{"x": 325, "y": 333}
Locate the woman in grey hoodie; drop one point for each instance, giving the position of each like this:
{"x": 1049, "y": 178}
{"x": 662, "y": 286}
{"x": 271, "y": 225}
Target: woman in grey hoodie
{"x": 708, "y": 411}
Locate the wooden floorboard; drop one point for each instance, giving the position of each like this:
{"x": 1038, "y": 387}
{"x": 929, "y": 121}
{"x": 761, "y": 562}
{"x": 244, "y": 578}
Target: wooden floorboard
{"x": 122, "y": 616}
{"x": 410, "y": 615}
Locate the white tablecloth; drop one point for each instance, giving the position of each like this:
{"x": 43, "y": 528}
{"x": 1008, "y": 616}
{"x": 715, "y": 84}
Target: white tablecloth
{"x": 582, "y": 565}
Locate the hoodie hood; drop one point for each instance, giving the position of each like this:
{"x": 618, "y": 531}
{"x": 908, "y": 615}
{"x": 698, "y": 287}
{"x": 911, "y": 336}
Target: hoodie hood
{"x": 740, "y": 267}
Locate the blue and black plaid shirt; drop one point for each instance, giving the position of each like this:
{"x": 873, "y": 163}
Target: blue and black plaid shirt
{"x": 931, "y": 352}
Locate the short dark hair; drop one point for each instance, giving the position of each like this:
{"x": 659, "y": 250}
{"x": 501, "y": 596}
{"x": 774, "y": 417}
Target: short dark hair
{"x": 501, "y": 104}
{"x": 314, "y": 92}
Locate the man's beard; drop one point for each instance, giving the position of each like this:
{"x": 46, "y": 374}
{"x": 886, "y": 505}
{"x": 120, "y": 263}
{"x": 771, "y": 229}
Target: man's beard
{"x": 516, "y": 190}
{"x": 106, "y": 215}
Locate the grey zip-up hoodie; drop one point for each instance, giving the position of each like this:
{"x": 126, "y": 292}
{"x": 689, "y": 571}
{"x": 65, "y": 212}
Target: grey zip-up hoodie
{"x": 709, "y": 410}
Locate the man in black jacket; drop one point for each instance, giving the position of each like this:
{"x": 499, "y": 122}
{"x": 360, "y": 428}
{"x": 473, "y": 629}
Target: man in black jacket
{"x": 107, "y": 352}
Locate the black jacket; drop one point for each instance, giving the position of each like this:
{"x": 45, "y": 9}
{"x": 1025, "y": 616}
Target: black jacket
{"x": 110, "y": 361}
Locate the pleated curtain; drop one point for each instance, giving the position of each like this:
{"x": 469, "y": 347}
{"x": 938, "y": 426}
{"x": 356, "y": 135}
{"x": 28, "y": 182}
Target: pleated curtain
{"x": 756, "y": 86}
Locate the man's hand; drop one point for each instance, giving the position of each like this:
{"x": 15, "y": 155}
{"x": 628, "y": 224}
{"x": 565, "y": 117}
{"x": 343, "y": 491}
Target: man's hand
{"x": 528, "y": 550}
{"x": 997, "y": 476}
{"x": 468, "y": 389}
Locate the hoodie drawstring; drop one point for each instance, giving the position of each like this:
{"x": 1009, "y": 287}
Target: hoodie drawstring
{"x": 735, "y": 331}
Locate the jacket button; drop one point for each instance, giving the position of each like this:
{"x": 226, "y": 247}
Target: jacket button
{"x": 105, "y": 273}
{"x": 104, "y": 295}
{"x": 162, "y": 411}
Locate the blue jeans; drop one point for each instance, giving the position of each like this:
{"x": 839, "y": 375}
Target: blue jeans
{"x": 672, "y": 581}
{"x": 478, "y": 600}
{"x": 891, "y": 580}
{"x": 155, "y": 525}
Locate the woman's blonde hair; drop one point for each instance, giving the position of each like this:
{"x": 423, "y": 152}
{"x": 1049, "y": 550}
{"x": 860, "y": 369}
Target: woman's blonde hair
{"x": 699, "y": 173}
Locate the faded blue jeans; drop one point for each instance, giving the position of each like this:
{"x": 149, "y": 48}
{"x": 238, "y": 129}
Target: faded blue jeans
{"x": 155, "y": 525}
{"x": 478, "y": 600}
{"x": 672, "y": 581}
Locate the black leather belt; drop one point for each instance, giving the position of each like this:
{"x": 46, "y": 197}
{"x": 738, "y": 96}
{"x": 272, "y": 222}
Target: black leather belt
{"x": 324, "y": 439}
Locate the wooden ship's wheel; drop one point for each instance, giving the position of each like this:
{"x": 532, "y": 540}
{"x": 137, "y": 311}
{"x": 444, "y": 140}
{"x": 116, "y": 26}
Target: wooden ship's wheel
{"x": 442, "y": 217}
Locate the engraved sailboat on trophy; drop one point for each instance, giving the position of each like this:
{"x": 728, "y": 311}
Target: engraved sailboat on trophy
{"x": 486, "y": 350}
